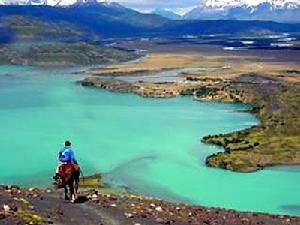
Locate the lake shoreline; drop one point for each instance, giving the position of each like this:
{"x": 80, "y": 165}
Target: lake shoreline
{"x": 244, "y": 150}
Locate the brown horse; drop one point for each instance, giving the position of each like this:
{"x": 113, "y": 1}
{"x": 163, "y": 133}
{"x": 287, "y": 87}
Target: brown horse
{"x": 69, "y": 174}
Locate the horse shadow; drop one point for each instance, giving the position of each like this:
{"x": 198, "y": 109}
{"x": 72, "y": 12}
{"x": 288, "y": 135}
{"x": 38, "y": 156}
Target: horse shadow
{"x": 81, "y": 199}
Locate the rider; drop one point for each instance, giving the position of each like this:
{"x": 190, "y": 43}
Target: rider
{"x": 66, "y": 155}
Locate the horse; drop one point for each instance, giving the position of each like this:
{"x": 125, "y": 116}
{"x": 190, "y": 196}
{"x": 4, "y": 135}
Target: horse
{"x": 69, "y": 174}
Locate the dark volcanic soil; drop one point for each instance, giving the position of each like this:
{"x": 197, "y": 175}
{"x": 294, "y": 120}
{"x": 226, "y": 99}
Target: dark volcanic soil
{"x": 34, "y": 206}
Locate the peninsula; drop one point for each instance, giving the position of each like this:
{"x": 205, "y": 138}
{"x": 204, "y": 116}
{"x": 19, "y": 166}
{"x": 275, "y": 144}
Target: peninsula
{"x": 273, "y": 90}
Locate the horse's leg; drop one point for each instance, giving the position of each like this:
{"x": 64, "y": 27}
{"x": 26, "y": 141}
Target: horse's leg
{"x": 71, "y": 185}
{"x": 66, "y": 183}
{"x": 66, "y": 193}
{"x": 76, "y": 183}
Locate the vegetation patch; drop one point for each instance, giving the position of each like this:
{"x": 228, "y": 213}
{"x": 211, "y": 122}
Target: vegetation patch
{"x": 275, "y": 141}
{"x": 66, "y": 54}
{"x": 26, "y": 27}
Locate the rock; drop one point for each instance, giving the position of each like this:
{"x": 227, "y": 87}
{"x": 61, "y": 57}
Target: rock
{"x": 158, "y": 209}
{"x": 163, "y": 221}
{"x": 245, "y": 220}
{"x": 13, "y": 208}
{"x": 13, "y": 187}
{"x": 48, "y": 221}
{"x": 128, "y": 215}
{"x": 6, "y": 208}
{"x": 2, "y": 216}
{"x": 35, "y": 195}
{"x": 58, "y": 210}
{"x": 24, "y": 201}
{"x": 95, "y": 197}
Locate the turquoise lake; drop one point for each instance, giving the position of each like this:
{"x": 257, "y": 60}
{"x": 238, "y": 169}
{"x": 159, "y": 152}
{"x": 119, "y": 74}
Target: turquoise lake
{"x": 152, "y": 146}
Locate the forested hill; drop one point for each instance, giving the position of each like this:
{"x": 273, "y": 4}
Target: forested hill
{"x": 116, "y": 20}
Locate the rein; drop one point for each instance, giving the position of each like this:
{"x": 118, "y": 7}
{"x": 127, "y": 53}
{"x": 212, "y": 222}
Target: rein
{"x": 82, "y": 176}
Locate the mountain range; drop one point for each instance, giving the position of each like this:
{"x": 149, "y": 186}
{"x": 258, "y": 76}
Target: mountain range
{"x": 275, "y": 10}
{"x": 113, "y": 19}
{"x": 266, "y": 10}
{"x": 167, "y": 14}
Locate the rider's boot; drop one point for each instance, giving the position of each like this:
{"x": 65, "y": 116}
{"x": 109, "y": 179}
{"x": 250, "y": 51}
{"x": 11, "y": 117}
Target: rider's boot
{"x": 56, "y": 177}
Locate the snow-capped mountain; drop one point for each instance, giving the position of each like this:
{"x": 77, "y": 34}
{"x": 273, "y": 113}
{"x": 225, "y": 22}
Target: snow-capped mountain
{"x": 274, "y": 10}
{"x": 249, "y": 3}
{"x": 55, "y": 2}
{"x": 167, "y": 14}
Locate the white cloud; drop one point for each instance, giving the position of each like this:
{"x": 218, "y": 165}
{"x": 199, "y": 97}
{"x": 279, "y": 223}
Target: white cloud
{"x": 182, "y": 11}
{"x": 144, "y": 10}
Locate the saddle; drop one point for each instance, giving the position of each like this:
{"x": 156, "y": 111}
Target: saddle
{"x": 68, "y": 169}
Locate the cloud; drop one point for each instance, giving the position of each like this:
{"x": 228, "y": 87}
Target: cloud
{"x": 159, "y": 4}
{"x": 183, "y": 10}
{"x": 146, "y": 6}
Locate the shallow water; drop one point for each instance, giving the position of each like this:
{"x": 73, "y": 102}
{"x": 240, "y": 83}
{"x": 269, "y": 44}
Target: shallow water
{"x": 165, "y": 76}
{"x": 150, "y": 145}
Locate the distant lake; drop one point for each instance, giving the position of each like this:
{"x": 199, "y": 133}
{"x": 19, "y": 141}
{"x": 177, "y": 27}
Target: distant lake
{"x": 152, "y": 146}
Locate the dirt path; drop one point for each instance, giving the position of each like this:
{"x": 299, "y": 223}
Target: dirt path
{"x": 63, "y": 212}
{"x": 34, "y": 206}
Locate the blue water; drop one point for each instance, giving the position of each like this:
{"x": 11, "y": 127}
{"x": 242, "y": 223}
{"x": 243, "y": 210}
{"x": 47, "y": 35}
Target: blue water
{"x": 151, "y": 146}
{"x": 165, "y": 76}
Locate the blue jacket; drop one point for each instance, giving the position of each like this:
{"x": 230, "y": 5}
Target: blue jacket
{"x": 66, "y": 155}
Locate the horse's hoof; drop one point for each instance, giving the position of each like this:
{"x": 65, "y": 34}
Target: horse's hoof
{"x": 73, "y": 200}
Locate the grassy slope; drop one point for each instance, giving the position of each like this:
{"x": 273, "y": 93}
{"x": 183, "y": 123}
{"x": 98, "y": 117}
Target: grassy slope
{"x": 53, "y": 53}
{"x": 64, "y": 54}
{"x": 75, "y": 54}
{"x": 24, "y": 27}
{"x": 275, "y": 141}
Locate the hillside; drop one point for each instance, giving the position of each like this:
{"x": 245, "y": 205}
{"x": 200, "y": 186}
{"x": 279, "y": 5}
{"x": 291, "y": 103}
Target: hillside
{"x": 101, "y": 19}
{"x": 64, "y": 54}
{"x": 115, "y": 20}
